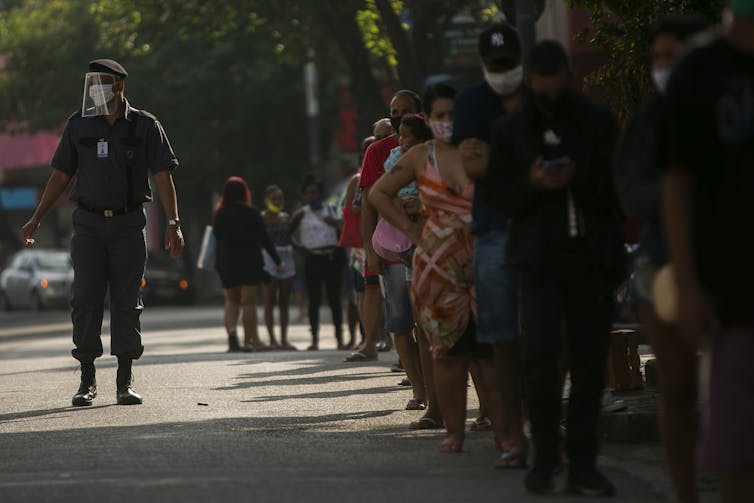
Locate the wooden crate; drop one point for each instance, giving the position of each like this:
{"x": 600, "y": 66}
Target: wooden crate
{"x": 623, "y": 364}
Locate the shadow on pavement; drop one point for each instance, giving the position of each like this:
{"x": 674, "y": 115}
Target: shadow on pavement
{"x": 16, "y": 416}
{"x": 302, "y": 381}
{"x": 328, "y": 394}
{"x": 259, "y": 459}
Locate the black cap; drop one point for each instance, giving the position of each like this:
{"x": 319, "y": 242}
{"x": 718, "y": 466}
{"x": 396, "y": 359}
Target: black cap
{"x": 499, "y": 42}
{"x": 108, "y": 66}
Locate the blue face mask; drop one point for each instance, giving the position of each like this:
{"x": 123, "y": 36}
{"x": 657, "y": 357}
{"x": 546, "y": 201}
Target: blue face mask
{"x": 315, "y": 204}
{"x": 743, "y": 8}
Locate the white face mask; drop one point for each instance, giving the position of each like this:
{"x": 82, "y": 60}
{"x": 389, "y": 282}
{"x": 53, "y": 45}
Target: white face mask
{"x": 442, "y": 130}
{"x": 660, "y": 78}
{"x": 101, "y": 94}
{"x": 504, "y": 83}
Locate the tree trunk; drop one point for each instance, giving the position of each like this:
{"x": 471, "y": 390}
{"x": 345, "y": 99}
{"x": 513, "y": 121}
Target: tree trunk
{"x": 341, "y": 21}
{"x": 410, "y": 69}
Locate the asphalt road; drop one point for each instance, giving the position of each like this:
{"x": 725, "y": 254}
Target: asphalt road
{"x": 272, "y": 426}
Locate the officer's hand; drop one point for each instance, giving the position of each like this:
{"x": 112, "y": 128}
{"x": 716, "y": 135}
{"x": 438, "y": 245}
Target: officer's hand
{"x": 174, "y": 240}
{"x": 280, "y": 268}
{"x": 27, "y": 231}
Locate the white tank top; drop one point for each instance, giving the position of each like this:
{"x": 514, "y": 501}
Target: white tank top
{"x": 314, "y": 231}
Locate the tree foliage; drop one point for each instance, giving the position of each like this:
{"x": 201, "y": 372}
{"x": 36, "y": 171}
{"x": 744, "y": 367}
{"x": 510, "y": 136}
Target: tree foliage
{"x": 224, "y": 77}
{"x": 622, "y": 29}
{"x": 406, "y": 34}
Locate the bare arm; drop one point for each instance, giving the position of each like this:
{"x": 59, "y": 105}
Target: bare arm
{"x": 296, "y": 220}
{"x": 166, "y": 190}
{"x": 169, "y": 200}
{"x": 386, "y": 189}
{"x": 55, "y": 187}
{"x": 353, "y": 186}
{"x": 697, "y": 317}
{"x": 678, "y": 196}
{"x": 369, "y": 219}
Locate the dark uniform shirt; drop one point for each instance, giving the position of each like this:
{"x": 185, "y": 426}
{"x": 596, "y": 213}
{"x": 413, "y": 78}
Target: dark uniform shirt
{"x": 112, "y": 163}
{"x": 476, "y": 109}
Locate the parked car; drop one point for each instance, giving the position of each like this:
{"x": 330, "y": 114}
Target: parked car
{"x": 167, "y": 280}
{"x": 37, "y": 279}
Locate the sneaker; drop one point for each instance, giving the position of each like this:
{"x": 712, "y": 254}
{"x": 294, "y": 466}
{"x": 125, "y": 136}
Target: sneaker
{"x": 397, "y": 367}
{"x": 589, "y": 483}
{"x": 540, "y": 481}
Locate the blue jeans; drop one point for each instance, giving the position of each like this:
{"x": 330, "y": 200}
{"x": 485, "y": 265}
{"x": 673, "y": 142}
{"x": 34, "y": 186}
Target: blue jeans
{"x": 399, "y": 315}
{"x": 496, "y": 289}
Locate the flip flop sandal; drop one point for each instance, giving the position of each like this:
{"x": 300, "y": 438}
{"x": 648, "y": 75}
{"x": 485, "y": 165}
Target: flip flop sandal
{"x": 512, "y": 460}
{"x": 425, "y": 423}
{"x": 451, "y": 446}
{"x": 416, "y": 404}
{"x": 358, "y": 356}
{"x": 481, "y": 424}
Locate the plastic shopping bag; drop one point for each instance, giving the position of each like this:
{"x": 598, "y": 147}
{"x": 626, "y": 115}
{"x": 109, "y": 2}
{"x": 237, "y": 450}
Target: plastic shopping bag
{"x": 206, "y": 259}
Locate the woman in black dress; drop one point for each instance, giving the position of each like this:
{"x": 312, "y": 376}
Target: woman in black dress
{"x": 241, "y": 235}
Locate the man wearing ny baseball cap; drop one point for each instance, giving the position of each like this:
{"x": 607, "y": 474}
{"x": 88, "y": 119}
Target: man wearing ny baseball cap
{"x": 477, "y": 108}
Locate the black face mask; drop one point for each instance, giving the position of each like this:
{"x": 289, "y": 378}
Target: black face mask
{"x": 556, "y": 105}
{"x": 396, "y": 123}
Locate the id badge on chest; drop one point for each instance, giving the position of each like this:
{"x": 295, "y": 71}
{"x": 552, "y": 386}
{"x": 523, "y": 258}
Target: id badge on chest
{"x": 102, "y": 149}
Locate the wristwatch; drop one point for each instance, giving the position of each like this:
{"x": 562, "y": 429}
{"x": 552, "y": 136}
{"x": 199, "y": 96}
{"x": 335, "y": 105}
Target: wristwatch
{"x": 175, "y": 221}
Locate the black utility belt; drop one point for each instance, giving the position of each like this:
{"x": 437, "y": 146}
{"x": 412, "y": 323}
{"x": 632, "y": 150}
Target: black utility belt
{"x": 110, "y": 213}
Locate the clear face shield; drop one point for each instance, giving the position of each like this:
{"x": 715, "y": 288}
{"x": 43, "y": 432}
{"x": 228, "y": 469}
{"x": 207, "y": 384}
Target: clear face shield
{"x": 99, "y": 96}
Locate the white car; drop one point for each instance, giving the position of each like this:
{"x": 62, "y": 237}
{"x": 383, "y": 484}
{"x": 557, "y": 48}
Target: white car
{"x": 37, "y": 279}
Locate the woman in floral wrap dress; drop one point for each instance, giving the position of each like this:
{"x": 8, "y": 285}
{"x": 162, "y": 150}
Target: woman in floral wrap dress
{"x": 442, "y": 282}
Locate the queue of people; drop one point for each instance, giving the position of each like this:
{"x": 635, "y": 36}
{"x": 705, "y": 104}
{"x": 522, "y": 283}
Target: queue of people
{"x": 520, "y": 246}
{"x": 485, "y": 235}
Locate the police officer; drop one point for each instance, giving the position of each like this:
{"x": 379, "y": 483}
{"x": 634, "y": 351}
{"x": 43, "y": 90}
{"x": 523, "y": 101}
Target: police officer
{"x": 109, "y": 149}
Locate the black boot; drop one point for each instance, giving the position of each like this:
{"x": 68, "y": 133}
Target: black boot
{"x": 88, "y": 387}
{"x": 125, "y": 394}
{"x": 233, "y": 344}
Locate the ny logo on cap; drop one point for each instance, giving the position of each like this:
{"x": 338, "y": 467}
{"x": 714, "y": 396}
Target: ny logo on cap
{"x": 497, "y": 40}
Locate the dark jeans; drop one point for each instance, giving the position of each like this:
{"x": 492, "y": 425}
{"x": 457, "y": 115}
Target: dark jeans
{"x": 324, "y": 269}
{"x": 107, "y": 252}
{"x": 577, "y": 305}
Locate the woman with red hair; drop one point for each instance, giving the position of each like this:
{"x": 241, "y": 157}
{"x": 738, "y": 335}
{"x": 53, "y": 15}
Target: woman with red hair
{"x": 241, "y": 235}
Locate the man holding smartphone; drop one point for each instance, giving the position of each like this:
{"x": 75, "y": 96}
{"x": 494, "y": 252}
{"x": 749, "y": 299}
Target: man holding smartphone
{"x": 550, "y": 174}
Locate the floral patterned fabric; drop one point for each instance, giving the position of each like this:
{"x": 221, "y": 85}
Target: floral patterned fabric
{"x": 442, "y": 284}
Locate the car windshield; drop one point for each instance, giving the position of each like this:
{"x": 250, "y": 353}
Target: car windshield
{"x": 53, "y": 261}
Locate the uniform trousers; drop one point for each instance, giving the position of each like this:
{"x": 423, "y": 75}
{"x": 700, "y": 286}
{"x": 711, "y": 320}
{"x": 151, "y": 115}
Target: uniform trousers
{"x": 107, "y": 252}
{"x": 567, "y": 312}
